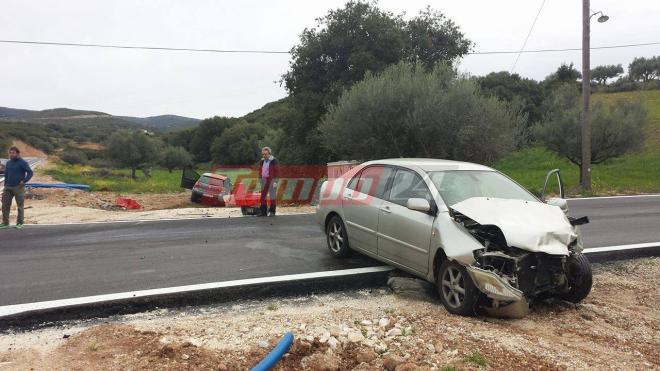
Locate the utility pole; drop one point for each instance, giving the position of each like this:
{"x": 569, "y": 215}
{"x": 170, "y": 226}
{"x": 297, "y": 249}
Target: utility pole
{"x": 585, "y": 175}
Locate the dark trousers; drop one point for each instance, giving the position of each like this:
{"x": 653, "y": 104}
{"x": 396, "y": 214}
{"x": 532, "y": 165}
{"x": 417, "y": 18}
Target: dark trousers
{"x": 268, "y": 192}
{"x": 8, "y": 194}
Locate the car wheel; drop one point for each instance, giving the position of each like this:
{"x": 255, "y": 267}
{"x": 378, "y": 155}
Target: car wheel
{"x": 457, "y": 292}
{"x": 194, "y": 198}
{"x": 244, "y": 210}
{"x": 579, "y": 277}
{"x": 337, "y": 238}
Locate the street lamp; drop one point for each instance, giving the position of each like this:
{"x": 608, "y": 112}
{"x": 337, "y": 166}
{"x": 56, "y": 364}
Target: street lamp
{"x": 585, "y": 173}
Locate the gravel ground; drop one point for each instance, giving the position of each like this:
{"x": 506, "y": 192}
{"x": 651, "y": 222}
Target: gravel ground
{"x": 616, "y": 327}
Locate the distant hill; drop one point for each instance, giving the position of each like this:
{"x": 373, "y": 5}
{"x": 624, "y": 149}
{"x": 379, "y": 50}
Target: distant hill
{"x": 67, "y": 116}
{"x": 164, "y": 122}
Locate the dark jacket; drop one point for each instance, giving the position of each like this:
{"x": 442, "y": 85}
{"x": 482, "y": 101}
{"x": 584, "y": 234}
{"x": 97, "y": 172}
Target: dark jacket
{"x": 17, "y": 171}
{"x": 273, "y": 168}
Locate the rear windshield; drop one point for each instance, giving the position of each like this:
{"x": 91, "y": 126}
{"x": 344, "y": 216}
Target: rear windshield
{"x": 458, "y": 185}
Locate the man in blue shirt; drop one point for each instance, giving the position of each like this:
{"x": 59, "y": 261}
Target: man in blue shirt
{"x": 17, "y": 173}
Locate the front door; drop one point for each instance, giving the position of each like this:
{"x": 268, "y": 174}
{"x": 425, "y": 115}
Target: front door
{"x": 404, "y": 235}
{"x": 361, "y": 203}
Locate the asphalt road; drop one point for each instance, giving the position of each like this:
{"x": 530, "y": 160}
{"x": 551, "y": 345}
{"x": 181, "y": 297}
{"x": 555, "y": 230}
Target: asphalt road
{"x": 54, "y": 262}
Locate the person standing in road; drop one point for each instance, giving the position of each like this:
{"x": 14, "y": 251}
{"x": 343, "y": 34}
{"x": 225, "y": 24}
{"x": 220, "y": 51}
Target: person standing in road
{"x": 17, "y": 173}
{"x": 268, "y": 171}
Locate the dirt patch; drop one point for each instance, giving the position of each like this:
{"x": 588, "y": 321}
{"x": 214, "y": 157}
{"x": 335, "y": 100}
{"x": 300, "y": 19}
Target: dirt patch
{"x": 55, "y": 206}
{"x": 617, "y": 326}
{"x": 27, "y": 150}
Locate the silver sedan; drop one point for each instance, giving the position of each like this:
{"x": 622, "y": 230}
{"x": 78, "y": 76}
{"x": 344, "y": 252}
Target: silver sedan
{"x": 485, "y": 241}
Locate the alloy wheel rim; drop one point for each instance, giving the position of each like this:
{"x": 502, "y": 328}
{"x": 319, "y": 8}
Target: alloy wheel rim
{"x": 453, "y": 287}
{"x": 335, "y": 238}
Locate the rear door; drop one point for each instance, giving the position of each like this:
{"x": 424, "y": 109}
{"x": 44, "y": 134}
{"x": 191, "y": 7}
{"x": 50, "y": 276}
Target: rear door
{"x": 404, "y": 235}
{"x": 188, "y": 178}
{"x": 361, "y": 202}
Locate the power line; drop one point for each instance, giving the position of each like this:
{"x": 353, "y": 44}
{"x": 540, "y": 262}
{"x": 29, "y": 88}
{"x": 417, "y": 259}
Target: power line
{"x": 528, "y": 35}
{"x": 566, "y": 49}
{"x": 144, "y": 47}
{"x": 247, "y": 51}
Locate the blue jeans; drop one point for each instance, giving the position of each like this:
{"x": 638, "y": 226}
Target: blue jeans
{"x": 268, "y": 192}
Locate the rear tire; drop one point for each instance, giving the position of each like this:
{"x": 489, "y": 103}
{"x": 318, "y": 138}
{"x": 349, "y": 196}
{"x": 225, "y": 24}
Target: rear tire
{"x": 244, "y": 210}
{"x": 337, "y": 238}
{"x": 194, "y": 197}
{"x": 579, "y": 276}
{"x": 457, "y": 292}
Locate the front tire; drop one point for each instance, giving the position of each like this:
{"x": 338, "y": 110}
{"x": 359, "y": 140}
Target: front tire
{"x": 337, "y": 238}
{"x": 579, "y": 277}
{"x": 457, "y": 292}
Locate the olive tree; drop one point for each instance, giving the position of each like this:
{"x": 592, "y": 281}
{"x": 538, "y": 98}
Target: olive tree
{"x": 617, "y": 127}
{"x": 175, "y": 157}
{"x": 406, "y": 111}
{"x": 601, "y": 74}
{"x": 133, "y": 149}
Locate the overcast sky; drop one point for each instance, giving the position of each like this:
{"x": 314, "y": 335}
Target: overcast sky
{"x": 144, "y": 83}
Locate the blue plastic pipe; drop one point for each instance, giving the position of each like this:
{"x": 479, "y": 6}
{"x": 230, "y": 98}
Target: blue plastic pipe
{"x": 83, "y": 187}
{"x": 271, "y": 359}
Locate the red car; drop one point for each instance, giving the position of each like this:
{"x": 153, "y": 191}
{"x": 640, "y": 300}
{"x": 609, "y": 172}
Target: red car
{"x": 215, "y": 190}
{"x": 208, "y": 189}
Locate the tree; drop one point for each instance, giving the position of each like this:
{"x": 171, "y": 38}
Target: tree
{"x": 600, "y": 74}
{"x": 566, "y": 73}
{"x": 617, "y": 128}
{"x": 133, "y": 149}
{"x": 204, "y": 135}
{"x": 239, "y": 144}
{"x": 434, "y": 38}
{"x": 175, "y": 157}
{"x": 346, "y": 44}
{"x": 407, "y": 112}
{"x": 511, "y": 87}
{"x": 644, "y": 69}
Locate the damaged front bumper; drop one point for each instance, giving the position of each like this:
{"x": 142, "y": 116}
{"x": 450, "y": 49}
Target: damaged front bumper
{"x": 494, "y": 286}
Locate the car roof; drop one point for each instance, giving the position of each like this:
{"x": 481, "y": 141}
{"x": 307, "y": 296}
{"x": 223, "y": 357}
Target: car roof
{"x": 430, "y": 164}
{"x": 214, "y": 176}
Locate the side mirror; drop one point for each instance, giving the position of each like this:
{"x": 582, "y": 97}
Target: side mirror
{"x": 418, "y": 204}
{"x": 559, "y": 202}
{"x": 559, "y": 181}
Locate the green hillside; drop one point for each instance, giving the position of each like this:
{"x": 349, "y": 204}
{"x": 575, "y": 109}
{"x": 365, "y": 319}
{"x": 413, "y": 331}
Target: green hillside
{"x": 632, "y": 173}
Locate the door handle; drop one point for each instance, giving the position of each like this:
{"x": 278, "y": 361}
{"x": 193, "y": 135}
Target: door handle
{"x": 386, "y": 209}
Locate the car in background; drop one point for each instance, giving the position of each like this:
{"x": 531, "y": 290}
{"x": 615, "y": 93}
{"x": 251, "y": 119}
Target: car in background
{"x": 484, "y": 240}
{"x": 207, "y": 188}
{"x": 2, "y": 165}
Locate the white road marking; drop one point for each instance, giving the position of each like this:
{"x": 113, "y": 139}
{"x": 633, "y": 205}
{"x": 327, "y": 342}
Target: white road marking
{"x": 610, "y": 197}
{"x": 52, "y": 304}
{"x": 621, "y": 247}
{"x": 8, "y": 310}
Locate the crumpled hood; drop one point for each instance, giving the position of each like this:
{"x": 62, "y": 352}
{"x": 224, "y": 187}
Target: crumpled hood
{"x": 533, "y": 226}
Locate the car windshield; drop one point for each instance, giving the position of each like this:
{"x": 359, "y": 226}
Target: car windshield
{"x": 458, "y": 185}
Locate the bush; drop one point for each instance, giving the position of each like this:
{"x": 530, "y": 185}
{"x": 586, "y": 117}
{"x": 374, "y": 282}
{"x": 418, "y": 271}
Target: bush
{"x": 408, "y": 112}
{"x": 73, "y": 157}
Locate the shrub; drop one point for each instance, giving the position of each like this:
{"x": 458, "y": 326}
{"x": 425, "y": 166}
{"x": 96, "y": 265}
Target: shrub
{"x": 408, "y": 112}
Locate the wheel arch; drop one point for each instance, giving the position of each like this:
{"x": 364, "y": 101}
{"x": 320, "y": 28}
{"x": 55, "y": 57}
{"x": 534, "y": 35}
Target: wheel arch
{"x": 438, "y": 258}
{"x": 328, "y": 217}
